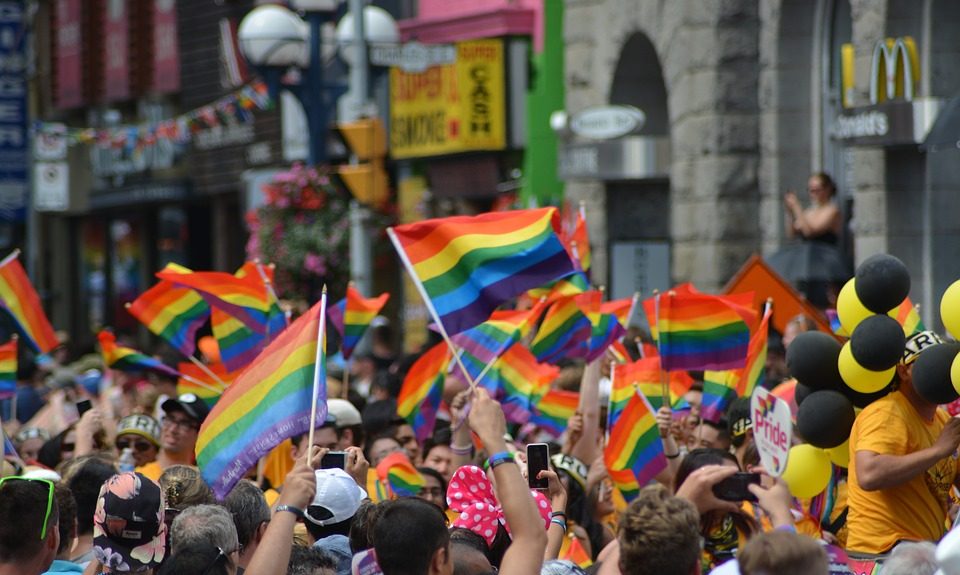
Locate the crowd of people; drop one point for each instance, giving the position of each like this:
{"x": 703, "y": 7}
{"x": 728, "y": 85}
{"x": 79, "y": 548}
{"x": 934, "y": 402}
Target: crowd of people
{"x": 116, "y": 488}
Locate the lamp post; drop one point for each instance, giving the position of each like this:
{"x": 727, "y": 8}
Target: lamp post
{"x": 274, "y": 40}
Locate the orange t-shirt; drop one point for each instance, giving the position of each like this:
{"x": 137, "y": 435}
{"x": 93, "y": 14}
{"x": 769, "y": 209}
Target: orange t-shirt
{"x": 914, "y": 510}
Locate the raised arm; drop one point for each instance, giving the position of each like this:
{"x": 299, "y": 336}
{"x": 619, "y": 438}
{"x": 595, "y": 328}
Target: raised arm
{"x": 587, "y": 447}
{"x": 525, "y": 554}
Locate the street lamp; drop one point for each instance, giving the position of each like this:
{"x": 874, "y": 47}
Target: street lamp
{"x": 274, "y": 39}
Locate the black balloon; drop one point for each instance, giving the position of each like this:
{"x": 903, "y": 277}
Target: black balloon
{"x": 800, "y": 393}
{"x": 862, "y": 400}
{"x": 812, "y": 359}
{"x": 877, "y": 342}
{"x": 882, "y": 283}
{"x": 825, "y": 419}
{"x": 931, "y": 373}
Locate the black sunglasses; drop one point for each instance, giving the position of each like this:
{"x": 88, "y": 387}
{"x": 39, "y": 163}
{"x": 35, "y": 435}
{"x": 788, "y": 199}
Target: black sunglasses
{"x": 140, "y": 446}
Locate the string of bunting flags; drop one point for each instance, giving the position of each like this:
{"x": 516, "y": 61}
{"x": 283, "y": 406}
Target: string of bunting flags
{"x": 234, "y": 108}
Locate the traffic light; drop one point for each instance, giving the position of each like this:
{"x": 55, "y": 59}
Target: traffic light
{"x": 365, "y": 176}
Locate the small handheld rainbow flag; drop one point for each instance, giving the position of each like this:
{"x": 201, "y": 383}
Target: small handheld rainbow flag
{"x": 699, "y": 331}
{"x": 352, "y": 315}
{"x": 552, "y": 411}
{"x": 516, "y": 379}
{"x": 8, "y": 369}
{"x": 635, "y": 444}
{"x": 467, "y": 266}
{"x": 575, "y": 553}
{"x": 173, "y": 313}
{"x": 268, "y": 402}
{"x": 722, "y": 387}
{"x": 907, "y": 315}
{"x": 400, "y": 475}
{"x": 128, "y": 359}
{"x": 572, "y": 284}
{"x": 486, "y": 342}
{"x": 198, "y": 382}
{"x": 422, "y": 390}
{"x": 20, "y": 300}
{"x": 567, "y": 326}
{"x": 645, "y": 376}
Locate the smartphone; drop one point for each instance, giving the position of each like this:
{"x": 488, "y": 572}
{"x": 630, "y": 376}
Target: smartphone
{"x": 538, "y": 459}
{"x": 83, "y": 406}
{"x": 334, "y": 459}
{"x": 734, "y": 488}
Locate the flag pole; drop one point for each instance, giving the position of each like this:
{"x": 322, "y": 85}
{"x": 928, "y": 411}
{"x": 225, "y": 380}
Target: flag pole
{"x": 13, "y": 255}
{"x": 270, "y": 291}
{"x": 202, "y": 384}
{"x": 426, "y": 300}
{"x": 664, "y": 374}
{"x": 613, "y": 376}
{"x": 345, "y": 391}
{"x": 200, "y": 365}
{"x": 318, "y": 365}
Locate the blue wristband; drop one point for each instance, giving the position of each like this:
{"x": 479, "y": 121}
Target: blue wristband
{"x": 499, "y": 458}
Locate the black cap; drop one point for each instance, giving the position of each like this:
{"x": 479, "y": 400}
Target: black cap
{"x": 188, "y": 403}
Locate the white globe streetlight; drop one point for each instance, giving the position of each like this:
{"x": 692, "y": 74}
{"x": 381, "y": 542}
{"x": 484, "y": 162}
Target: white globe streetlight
{"x": 272, "y": 35}
{"x": 379, "y": 27}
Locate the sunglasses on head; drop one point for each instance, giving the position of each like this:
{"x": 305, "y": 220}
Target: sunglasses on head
{"x": 140, "y": 446}
{"x": 221, "y": 555}
{"x": 49, "y": 484}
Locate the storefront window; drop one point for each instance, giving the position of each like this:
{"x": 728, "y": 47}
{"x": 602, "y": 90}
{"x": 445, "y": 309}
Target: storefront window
{"x": 93, "y": 271}
{"x": 126, "y": 262}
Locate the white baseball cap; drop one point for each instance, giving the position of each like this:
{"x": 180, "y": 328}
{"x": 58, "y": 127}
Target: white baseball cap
{"x": 948, "y": 554}
{"x": 344, "y": 412}
{"x": 338, "y": 498}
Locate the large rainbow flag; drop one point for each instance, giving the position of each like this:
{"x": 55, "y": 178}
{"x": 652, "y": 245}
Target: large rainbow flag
{"x": 8, "y": 369}
{"x": 173, "y": 313}
{"x": 352, "y": 315}
{"x": 468, "y": 265}
{"x": 634, "y": 444}
{"x": 268, "y": 402}
{"x": 123, "y": 358}
{"x": 722, "y": 387}
{"x": 422, "y": 390}
{"x": 700, "y": 331}
{"x": 20, "y": 300}
{"x": 552, "y": 411}
{"x": 245, "y": 298}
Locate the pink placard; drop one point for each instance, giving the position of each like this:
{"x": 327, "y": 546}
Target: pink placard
{"x": 117, "y": 52}
{"x": 69, "y": 54}
{"x": 166, "y": 61}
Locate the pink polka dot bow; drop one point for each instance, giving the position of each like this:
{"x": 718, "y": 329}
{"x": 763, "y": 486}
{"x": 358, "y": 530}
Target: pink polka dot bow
{"x": 471, "y": 494}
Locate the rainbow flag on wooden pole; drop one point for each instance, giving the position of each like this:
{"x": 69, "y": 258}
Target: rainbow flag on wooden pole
{"x": 8, "y": 368}
{"x": 700, "y": 331}
{"x": 635, "y": 444}
{"x": 171, "y": 312}
{"x": 422, "y": 389}
{"x": 123, "y": 358}
{"x": 21, "y": 301}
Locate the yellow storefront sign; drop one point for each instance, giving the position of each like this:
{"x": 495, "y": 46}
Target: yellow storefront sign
{"x": 451, "y": 108}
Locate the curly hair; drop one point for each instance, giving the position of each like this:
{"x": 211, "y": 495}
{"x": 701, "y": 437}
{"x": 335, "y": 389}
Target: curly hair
{"x": 659, "y": 534}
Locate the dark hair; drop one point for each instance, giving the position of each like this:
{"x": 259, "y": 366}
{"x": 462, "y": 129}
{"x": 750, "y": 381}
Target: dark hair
{"x": 331, "y": 423}
{"x": 85, "y": 483}
{"x": 436, "y": 475}
{"x": 468, "y": 538}
{"x": 67, "y": 510}
{"x": 579, "y": 511}
{"x": 738, "y": 411}
{"x": 361, "y": 530}
{"x": 306, "y": 561}
{"x": 249, "y": 509}
{"x": 196, "y": 558}
{"x": 700, "y": 457}
{"x": 369, "y": 446}
{"x": 23, "y": 505}
{"x": 827, "y": 181}
{"x": 407, "y": 534}
{"x": 321, "y": 531}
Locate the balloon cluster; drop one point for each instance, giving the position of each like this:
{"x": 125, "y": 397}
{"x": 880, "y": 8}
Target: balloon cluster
{"x": 834, "y": 379}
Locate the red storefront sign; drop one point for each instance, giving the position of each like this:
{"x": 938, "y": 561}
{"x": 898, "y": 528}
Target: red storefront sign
{"x": 117, "y": 57}
{"x": 69, "y": 54}
{"x": 166, "y": 60}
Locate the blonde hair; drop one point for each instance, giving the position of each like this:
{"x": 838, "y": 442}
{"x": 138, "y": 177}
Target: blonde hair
{"x": 659, "y": 534}
{"x": 184, "y": 487}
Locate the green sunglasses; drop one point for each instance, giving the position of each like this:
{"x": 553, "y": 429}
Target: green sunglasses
{"x": 50, "y": 488}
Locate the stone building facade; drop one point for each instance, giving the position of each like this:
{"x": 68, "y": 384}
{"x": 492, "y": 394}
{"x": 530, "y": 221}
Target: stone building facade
{"x": 747, "y": 96}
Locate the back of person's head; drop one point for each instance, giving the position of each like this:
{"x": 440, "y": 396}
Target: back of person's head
{"x": 196, "y": 558}
{"x": 361, "y": 529}
{"x": 911, "y": 558}
{"x": 700, "y": 457}
{"x": 84, "y": 478}
{"x": 23, "y": 509}
{"x": 183, "y": 487}
{"x": 408, "y": 536}
{"x": 783, "y": 553}
{"x": 249, "y": 508}
{"x": 209, "y": 525}
{"x": 659, "y": 535}
{"x": 469, "y": 552}
{"x": 310, "y": 561}
{"x": 67, "y": 510}
{"x": 738, "y": 420}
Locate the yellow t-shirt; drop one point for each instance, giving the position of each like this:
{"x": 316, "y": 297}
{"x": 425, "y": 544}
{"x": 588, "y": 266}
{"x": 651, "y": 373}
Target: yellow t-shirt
{"x": 151, "y": 470}
{"x": 915, "y": 510}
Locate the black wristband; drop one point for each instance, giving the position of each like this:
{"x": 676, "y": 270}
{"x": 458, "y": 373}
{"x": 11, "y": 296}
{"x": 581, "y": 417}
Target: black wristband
{"x": 298, "y": 512}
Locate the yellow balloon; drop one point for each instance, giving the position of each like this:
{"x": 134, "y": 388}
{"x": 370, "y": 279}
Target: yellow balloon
{"x": 808, "y": 470}
{"x": 859, "y": 378}
{"x": 950, "y": 309}
{"x": 840, "y": 455}
{"x": 849, "y": 308}
{"x": 955, "y": 373}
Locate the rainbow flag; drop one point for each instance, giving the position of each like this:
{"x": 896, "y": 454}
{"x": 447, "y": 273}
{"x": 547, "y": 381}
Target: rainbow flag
{"x": 621, "y": 308}
{"x": 128, "y": 359}
{"x": 269, "y": 402}
{"x": 8, "y": 369}
{"x": 567, "y": 327}
{"x": 352, "y": 315}
{"x": 552, "y": 411}
{"x": 699, "y": 331}
{"x": 277, "y": 319}
{"x": 422, "y": 390}
{"x": 580, "y": 240}
{"x": 607, "y": 331}
{"x": 469, "y": 265}
{"x": 576, "y": 554}
{"x": 626, "y": 483}
{"x": 487, "y": 341}
{"x": 573, "y": 284}
{"x": 907, "y": 315}
{"x": 245, "y": 298}
{"x": 645, "y": 376}
{"x": 196, "y": 381}
{"x": 722, "y": 387}
{"x": 519, "y": 378}
{"x": 173, "y": 313}
{"x": 400, "y": 475}
{"x": 635, "y": 444}
{"x": 20, "y": 300}
{"x": 239, "y": 345}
